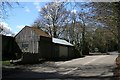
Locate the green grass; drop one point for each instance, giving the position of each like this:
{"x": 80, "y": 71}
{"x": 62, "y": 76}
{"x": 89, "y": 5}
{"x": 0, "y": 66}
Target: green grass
{"x": 6, "y": 63}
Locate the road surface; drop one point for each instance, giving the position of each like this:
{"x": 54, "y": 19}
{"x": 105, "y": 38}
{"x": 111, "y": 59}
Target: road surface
{"x": 92, "y": 67}
{"x": 99, "y": 65}
{"x": 90, "y": 60}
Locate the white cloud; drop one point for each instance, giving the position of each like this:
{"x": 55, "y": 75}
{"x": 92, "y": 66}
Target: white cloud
{"x": 6, "y": 30}
{"x": 5, "y": 25}
{"x": 37, "y": 5}
{"x": 20, "y": 26}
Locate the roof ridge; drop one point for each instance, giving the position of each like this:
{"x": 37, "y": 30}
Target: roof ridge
{"x": 39, "y": 31}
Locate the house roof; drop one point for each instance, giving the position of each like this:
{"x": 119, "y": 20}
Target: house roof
{"x": 60, "y": 41}
{"x": 40, "y": 32}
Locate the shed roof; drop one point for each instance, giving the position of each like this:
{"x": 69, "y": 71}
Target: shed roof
{"x": 60, "y": 41}
{"x": 40, "y": 32}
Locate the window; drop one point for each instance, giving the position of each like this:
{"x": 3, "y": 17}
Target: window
{"x": 25, "y": 47}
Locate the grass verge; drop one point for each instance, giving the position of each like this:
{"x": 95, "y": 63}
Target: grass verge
{"x": 6, "y": 63}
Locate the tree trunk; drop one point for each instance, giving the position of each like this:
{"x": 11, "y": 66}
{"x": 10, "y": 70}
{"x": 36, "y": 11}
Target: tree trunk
{"x": 83, "y": 41}
{"x": 54, "y": 30}
{"x": 119, "y": 38}
{"x": 118, "y": 25}
{"x": 119, "y": 29}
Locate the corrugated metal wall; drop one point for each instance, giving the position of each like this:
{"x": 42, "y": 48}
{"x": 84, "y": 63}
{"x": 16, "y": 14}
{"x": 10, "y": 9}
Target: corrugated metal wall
{"x": 55, "y": 51}
{"x": 45, "y": 47}
{"x": 27, "y": 40}
{"x": 63, "y": 51}
{"x": 71, "y": 52}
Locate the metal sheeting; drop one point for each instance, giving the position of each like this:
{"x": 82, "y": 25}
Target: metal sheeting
{"x": 63, "y": 51}
{"x": 60, "y": 41}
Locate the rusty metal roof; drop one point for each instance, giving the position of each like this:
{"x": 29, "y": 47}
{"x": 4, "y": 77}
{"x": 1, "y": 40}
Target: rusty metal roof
{"x": 40, "y": 32}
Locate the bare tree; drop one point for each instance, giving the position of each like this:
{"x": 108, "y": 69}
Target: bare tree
{"x": 53, "y": 17}
{"x": 84, "y": 18}
{"x": 5, "y": 8}
{"x": 77, "y": 28}
{"x": 72, "y": 33}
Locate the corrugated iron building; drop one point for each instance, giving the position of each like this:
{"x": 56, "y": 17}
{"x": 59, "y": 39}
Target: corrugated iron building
{"x": 32, "y": 40}
{"x": 28, "y": 39}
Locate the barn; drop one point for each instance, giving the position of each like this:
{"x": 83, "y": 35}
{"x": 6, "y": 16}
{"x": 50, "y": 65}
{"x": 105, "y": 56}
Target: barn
{"x": 35, "y": 43}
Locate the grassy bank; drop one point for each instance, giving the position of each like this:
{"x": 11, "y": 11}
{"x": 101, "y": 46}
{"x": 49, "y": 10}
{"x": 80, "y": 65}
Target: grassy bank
{"x": 6, "y": 63}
